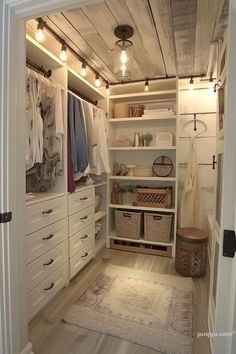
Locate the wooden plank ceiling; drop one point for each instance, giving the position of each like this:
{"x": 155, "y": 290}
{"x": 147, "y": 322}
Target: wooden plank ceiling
{"x": 171, "y": 37}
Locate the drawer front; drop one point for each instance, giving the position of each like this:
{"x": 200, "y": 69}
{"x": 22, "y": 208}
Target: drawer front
{"x": 79, "y": 221}
{"x": 78, "y": 261}
{"x": 43, "y": 240}
{"x": 81, "y": 200}
{"x": 44, "y": 266}
{"x": 44, "y": 292}
{"x": 43, "y": 214}
{"x": 79, "y": 240}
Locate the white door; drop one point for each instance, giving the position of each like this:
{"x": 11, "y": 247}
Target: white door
{"x": 225, "y": 312}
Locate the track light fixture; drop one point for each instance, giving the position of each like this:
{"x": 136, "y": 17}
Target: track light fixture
{"x": 97, "y": 80}
{"x": 146, "y": 86}
{"x": 107, "y": 88}
{"x": 211, "y": 85}
{"x": 63, "y": 55}
{"x": 84, "y": 69}
{"x": 40, "y": 35}
{"x": 191, "y": 82}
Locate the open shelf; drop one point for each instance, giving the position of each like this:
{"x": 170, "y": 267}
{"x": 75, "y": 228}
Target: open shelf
{"x": 113, "y": 236}
{"x": 142, "y": 148}
{"x": 99, "y": 184}
{"x": 99, "y": 245}
{"x": 137, "y": 119}
{"x": 134, "y": 207}
{"x": 136, "y": 178}
{"x": 100, "y": 214}
{"x": 143, "y": 95}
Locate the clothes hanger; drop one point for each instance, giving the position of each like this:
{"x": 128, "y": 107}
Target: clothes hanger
{"x": 195, "y": 121}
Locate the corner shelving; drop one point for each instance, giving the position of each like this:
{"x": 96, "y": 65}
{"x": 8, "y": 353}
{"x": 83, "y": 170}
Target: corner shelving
{"x": 163, "y": 90}
{"x": 99, "y": 215}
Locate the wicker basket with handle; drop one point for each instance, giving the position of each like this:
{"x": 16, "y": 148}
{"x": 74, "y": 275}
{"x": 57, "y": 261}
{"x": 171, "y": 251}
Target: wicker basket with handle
{"x": 153, "y": 197}
{"x": 128, "y": 224}
{"x": 157, "y": 227}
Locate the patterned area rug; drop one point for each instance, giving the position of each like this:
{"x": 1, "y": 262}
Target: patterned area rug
{"x": 145, "y": 308}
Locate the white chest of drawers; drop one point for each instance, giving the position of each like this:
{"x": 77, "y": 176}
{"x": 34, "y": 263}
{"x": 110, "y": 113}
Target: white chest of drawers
{"x": 47, "y": 251}
{"x": 81, "y": 228}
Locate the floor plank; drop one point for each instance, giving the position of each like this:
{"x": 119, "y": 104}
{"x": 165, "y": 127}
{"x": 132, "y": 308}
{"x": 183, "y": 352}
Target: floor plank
{"x": 50, "y": 335}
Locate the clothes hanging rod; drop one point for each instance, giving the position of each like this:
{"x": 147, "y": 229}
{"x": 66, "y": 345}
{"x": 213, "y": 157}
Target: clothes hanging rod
{"x": 80, "y": 95}
{"x": 196, "y": 113}
{"x": 214, "y": 162}
{"x": 39, "y": 69}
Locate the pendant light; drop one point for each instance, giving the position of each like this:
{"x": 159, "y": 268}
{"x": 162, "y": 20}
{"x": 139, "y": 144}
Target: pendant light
{"x": 97, "y": 80}
{"x": 211, "y": 85}
{"x": 123, "y": 64}
{"x": 63, "y": 55}
{"x": 191, "y": 82}
{"x": 83, "y": 69}
{"x": 146, "y": 86}
{"x": 40, "y": 35}
{"x": 107, "y": 89}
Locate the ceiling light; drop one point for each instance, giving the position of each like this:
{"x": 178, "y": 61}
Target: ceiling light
{"x": 40, "y": 35}
{"x": 83, "y": 69}
{"x": 146, "y": 86}
{"x": 191, "y": 82}
{"x": 123, "y": 64}
{"x": 63, "y": 55}
{"x": 97, "y": 80}
{"x": 107, "y": 88}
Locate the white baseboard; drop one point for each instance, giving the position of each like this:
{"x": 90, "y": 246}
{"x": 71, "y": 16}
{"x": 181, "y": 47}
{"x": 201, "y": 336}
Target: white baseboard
{"x": 28, "y": 349}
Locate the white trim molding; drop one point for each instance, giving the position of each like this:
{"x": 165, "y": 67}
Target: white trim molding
{"x": 28, "y": 349}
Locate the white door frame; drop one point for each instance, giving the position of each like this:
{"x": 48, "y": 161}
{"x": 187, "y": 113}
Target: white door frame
{"x": 13, "y": 316}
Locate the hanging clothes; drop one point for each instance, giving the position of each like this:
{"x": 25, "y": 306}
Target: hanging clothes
{"x": 190, "y": 204}
{"x": 79, "y": 146}
{"x": 101, "y": 157}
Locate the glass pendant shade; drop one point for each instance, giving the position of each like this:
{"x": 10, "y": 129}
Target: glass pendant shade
{"x": 123, "y": 64}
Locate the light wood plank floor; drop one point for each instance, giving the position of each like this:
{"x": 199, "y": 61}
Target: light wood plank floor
{"x": 49, "y": 335}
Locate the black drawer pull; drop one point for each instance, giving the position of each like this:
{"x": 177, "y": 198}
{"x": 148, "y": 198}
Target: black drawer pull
{"x": 84, "y": 218}
{"x": 49, "y": 211}
{"x": 84, "y": 237}
{"x": 84, "y": 198}
{"x": 50, "y": 287}
{"x": 48, "y": 237}
{"x": 85, "y": 255}
{"x": 50, "y": 262}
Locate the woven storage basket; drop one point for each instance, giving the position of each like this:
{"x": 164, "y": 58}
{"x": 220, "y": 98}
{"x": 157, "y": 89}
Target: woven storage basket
{"x": 157, "y": 227}
{"x": 153, "y": 197}
{"x": 128, "y": 224}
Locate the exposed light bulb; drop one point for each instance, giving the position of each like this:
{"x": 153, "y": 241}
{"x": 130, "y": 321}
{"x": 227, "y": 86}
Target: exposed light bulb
{"x": 123, "y": 57}
{"x": 191, "y": 84}
{"x": 107, "y": 89}
{"x": 97, "y": 81}
{"x": 146, "y": 86}
{"x": 211, "y": 88}
{"x": 63, "y": 55}
{"x": 40, "y": 35}
{"x": 83, "y": 70}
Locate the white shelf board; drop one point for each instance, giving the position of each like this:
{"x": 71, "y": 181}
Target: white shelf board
{"x": 142, "y": 148}
{"x": 142, "y": 119}
{"x": 143, "y": 94}
{"x": 99, "y": 245}
{"x": 113, "y": 236}
{"x": 133, "y": 207}
{"x": 136, "y": 178}
{"x": 99, "y": 215}
{"x": 99, "y": 184}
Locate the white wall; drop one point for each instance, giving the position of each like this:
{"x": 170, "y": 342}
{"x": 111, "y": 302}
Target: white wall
{"x": 196, "y": 101}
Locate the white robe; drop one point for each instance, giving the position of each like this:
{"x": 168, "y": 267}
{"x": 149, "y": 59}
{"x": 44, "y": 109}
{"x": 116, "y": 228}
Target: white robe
{"x": 190, "y": 204}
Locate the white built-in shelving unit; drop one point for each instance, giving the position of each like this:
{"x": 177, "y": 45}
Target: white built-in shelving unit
{"x": 162, "y": 90}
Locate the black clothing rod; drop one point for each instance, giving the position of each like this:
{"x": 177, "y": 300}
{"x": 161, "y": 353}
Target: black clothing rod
{"x": 85, "y": 98}
{"x": 196, "y": 113}
{"x": 39, "y": 69}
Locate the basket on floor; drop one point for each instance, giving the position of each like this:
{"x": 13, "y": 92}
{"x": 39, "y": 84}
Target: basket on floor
{"x": 157, "y": 227}
{"x": 128, "y": 224}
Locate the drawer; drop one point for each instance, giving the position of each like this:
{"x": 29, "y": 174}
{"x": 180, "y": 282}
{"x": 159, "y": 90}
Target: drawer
{"x": 44, "y": 266}
{"x": 79, "y": 240}
{"x": 81, "y": 200}
{"x": 80, "y": 220}
{"x": 43, "y": 214}
{"x": 43, "y": 240}
{"x": 78, "y": 261}
{"x": 45, "y": 291}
